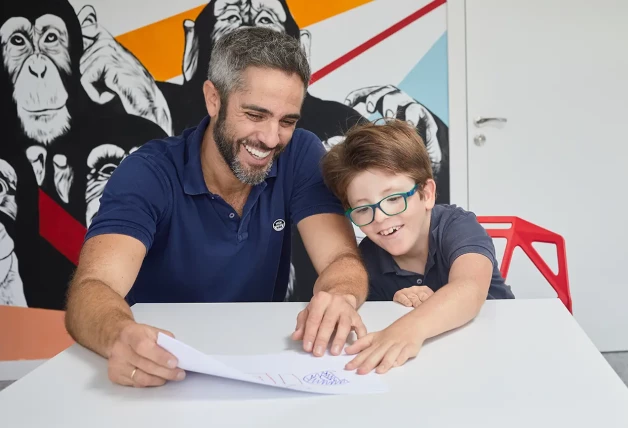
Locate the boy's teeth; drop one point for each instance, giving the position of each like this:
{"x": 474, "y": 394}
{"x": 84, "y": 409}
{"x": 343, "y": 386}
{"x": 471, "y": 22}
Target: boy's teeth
{"x": 387, "y": 232}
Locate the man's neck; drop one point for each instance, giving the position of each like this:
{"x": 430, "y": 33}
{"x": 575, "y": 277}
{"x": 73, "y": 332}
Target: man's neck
{"x": 218, "y": 176}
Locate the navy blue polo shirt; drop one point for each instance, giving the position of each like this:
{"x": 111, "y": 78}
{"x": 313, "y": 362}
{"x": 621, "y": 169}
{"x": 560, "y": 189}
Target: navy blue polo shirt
{"x": 198, "y": 248}
{"x": 453, "y": 232}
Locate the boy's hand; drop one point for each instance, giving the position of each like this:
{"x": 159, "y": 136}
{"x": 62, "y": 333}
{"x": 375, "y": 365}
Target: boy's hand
{"x": 413, "y": 296}
{"x": 388, "y": 348}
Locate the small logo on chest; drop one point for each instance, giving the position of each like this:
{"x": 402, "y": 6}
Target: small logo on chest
{"x": 279, "y": 224}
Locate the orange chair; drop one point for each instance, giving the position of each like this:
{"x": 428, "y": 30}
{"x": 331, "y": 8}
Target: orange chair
{"x": 522, "y": 234}
{"x": 31, "y": 333}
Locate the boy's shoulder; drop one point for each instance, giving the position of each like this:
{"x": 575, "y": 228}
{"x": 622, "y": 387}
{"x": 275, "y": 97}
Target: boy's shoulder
{"x": 446, "y": 213}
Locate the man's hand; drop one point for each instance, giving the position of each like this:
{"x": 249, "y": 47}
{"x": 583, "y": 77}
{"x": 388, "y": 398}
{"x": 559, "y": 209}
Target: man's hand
{"x": 325, "y": 313}
{"x": 136, "y": 359}
{"x": 413, "y": 296}
{"x": 388, "y": 348}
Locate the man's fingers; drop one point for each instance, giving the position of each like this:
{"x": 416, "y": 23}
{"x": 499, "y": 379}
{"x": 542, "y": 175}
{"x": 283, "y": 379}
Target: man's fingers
{"x": 389, "y": 358}
{"x": 359, "y": 327}
{"x": 300, "y": 328}
{"x": 148, "y": 348}
{"x": 342, "y": 332}
{"x": 142, "y": 379}
{"x": 312, "y": 324}
{"x": 152, "y": 368}
{"x": 325, "y": 330}
{"x": 166, "y": 332}
{"x": 359, "y": 345}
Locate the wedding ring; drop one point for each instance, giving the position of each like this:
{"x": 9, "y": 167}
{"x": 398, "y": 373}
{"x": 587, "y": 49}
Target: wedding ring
{"x": 133, "y": 373}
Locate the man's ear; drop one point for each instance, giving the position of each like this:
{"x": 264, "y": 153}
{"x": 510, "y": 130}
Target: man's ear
{"x": 212, "y": 98}
{"x": 190, "y": 50}
{"x": 306, "y": 43}
{"x": 429, "y": 193}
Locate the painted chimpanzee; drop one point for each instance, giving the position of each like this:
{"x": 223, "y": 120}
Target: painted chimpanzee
{"x": 71, "y": 142}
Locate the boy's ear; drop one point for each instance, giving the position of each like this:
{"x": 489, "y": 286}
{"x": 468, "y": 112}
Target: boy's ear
{"x": 429, "y": 193}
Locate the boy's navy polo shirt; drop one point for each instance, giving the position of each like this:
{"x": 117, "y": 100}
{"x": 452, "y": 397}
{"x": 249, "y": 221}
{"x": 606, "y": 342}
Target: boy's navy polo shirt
{"x": 198, "y": 248}
{"x": 453, "y": 232}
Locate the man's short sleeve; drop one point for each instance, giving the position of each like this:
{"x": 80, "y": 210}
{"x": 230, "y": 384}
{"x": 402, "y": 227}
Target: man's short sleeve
{"x": 135, "y": 199}
{"x": 310, "y": 195}
{"x": 463, "y": 234}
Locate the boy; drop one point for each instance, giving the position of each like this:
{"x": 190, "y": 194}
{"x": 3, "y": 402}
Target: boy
{"x": 436, "y": 258}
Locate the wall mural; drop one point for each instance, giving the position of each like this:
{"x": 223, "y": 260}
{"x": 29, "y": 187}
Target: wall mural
{"x": 84, "y": 84}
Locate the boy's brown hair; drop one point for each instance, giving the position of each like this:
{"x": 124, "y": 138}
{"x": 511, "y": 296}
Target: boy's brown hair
{"x": 394, "y": 147}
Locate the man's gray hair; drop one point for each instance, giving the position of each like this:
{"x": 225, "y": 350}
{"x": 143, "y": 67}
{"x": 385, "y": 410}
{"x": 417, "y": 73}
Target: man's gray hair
{"x": 254, "y": 47}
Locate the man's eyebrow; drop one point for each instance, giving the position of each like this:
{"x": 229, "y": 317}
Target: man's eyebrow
{"x": 263, "y": 110}
{"x": 257, "y": 108}
{"x": 296, "y": 116}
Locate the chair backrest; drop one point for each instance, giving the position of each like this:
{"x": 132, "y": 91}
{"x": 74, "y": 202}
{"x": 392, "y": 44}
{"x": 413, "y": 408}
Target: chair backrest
{"x": 522, "y": 234}
{"x": 31, "y": 333}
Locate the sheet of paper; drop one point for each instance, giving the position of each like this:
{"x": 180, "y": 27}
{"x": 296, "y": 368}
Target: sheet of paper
{"x": 290, "y": 369}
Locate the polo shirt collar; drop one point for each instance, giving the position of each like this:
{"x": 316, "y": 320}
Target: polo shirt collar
{"x": 193, "y": 180}
{"x": 388, "y": 264}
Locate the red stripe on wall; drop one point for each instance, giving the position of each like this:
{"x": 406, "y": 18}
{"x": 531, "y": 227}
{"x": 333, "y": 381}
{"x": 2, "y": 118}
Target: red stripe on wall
{"x": 59, "y": 228}
{"x": 375, "y": 40}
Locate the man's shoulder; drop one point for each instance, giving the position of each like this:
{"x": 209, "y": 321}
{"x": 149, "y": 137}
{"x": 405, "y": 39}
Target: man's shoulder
{"x": 302, "y": 137}
{"x": 161, "y": 153}
{"x": 303, "y": 146}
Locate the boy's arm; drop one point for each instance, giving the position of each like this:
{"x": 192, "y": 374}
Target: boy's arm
{"x": 471, "y": 255}
{"x": 452, "y": 306}
{"x": 457, "y": 302}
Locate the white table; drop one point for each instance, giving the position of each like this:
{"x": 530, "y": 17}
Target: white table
{"x": 521, "y": 363}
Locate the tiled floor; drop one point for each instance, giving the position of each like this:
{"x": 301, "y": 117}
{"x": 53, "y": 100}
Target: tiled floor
{"x": 617, "y": 360}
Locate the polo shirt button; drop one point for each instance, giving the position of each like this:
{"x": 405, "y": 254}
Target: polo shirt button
{"x": 419, "y": 281}
{"x": 231, "y": 215}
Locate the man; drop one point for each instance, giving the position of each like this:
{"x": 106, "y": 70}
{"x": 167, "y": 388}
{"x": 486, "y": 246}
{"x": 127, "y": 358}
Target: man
{"x": 202, "y": 217}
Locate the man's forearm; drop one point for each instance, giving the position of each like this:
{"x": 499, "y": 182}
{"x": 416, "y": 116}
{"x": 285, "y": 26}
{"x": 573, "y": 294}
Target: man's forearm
{"x": 345, "y": 275}
{"x": 454, "y": 305}
{"x": 95, "y": 315}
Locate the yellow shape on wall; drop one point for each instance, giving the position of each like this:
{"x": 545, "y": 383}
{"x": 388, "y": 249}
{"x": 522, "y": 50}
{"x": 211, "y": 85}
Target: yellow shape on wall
{"x": 159, "y": 46}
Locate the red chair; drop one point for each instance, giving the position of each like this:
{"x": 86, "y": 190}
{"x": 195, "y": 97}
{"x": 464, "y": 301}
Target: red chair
{"x": 523, "y": 234}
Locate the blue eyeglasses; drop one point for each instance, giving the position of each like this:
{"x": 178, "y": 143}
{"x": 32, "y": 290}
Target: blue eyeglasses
{"x": 391, "y": 205}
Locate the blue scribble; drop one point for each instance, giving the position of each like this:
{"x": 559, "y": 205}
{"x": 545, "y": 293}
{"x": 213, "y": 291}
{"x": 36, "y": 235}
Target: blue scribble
{"x": 324, "y": 378}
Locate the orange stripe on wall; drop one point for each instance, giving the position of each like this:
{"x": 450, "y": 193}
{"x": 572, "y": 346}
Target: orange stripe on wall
{"x": 159, "y": 46}
{"x": 308, "y": 12}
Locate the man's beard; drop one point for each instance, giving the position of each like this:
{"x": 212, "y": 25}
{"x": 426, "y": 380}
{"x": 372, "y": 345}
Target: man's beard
{"x": 229, "y": 149}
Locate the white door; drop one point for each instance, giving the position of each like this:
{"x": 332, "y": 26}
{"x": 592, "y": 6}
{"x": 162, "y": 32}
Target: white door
{"x": 557, "y": 72}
